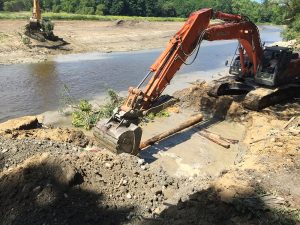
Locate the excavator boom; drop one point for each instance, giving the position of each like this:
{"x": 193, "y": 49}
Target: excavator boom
{"x": 36, "y": 10}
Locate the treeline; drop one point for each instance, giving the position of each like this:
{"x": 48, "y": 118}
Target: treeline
{"x": 266, "y": 12}
{"x": 292, "y": 19}
{"x": 273, "y": 11}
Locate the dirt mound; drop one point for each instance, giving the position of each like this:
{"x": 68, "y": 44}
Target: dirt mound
{"x": 55, "y": 134}
{"x": 127, "y": 23}
{"x": 30, "y": 127}
{"x": 23, "y": 123}
{"x": 84, "y": 188}
{"x": 207, "y": 207}
{"x": 197, "y": 97}
{"x": 15, "y": 151}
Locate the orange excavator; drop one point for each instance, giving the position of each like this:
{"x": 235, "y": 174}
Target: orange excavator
{"x": 255, "y": 65}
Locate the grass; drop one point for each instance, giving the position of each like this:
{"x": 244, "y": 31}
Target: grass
{"x": 70, "y": 16}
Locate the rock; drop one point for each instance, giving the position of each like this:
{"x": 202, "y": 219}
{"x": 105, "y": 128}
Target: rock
{"x": 145, "y": 167}
{"x": 14, "y": 150}
{"x": 129, "y": 196}
{"x": 108, "y": 165}
{"x": 37, "y": 189}
{"x": 294, "y": 132}
{"x": 78, "y": 138}
{"x": 279, "y": 144}
{"x": 157, "y": 211}
{"x": 4, "y": 150}
{"x": 140, "y": 162}
{"x": 120, "y": 22}
{"x": 158, "y": 191}
{"x": 23, "y": 123}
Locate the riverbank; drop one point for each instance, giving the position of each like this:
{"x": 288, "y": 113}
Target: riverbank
{"x": 85, "y": 36}
{"x": 61, "y": 176}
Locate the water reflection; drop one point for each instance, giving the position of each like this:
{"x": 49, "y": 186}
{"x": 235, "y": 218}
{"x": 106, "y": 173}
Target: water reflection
{"x": 46, "y": 83}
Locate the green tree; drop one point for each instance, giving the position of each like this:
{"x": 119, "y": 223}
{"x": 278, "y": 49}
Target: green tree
{"x": 223, "y": 5}
{"x": 100, "y": 9}
{"x": 16, "y": 5}
{"x": 117, "y": 7}
{"x": 168, "y": 9}
{"x": 1, "y": 5}
{"x": 247, "y": 8}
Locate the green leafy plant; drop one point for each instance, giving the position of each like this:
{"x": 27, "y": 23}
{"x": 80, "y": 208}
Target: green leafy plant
{"x": 25, "y": 40}
{"x": 293, "y": 31}
{"x": 87, "y": 116}
{"x": 151, "y": 116}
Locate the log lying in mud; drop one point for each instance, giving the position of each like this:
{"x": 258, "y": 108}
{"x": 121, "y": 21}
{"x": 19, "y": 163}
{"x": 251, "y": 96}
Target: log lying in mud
{"x": 194, "y": 120}
{"x": 215, "y": 138}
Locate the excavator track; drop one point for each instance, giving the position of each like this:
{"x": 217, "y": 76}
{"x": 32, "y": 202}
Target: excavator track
{"x": 256, "y": 97}
{"x": 261, "y": 98}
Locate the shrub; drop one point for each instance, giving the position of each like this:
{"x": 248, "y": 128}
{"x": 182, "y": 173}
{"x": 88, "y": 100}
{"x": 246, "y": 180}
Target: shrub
{"x": 87, "y": 117}
{"x": 100, "y": 9}
{"x": 293, "y": 31}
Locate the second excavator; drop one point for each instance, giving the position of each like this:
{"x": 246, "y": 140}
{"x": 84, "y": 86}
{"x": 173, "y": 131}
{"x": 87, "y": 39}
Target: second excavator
{"x": 271, "y": 68}
{"x": 38, "y": 28}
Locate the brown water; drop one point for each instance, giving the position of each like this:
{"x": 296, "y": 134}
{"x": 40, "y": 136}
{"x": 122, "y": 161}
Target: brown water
{"x": 35, "y": 88}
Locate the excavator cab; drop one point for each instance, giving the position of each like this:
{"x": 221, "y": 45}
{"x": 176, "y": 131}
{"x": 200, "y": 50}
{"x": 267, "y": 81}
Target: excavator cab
{"x": 275, "y": 61}
{"x": 272, "y": 70}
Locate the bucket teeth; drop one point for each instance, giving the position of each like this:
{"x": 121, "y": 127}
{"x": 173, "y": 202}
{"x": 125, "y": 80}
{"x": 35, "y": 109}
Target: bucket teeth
{"x": 118, "y": 139}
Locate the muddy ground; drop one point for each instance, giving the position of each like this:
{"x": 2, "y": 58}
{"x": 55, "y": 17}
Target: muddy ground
{"x": 84, "y": 36}
{"x": 59, "y": 176}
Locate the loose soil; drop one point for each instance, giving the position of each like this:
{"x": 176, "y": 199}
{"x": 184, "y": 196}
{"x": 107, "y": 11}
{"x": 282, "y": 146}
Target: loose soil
{"x": 84, "y": 36}
{"x": 47, "y": 177}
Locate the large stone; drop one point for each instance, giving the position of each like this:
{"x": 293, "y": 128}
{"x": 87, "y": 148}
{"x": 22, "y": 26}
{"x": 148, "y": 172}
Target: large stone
{"x": 23, "y": 123}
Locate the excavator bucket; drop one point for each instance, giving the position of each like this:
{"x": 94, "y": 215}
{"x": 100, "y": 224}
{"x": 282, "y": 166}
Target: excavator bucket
{"x": 118, "y": 138}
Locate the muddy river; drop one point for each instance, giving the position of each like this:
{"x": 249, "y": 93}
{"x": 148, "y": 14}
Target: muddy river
{"x": 27, "y": 89}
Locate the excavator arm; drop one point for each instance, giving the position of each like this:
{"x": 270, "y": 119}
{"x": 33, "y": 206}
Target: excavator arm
{"x": 120, "y": 133}
{"x": 36, "y": 12}
{"x": 169, "y": 62}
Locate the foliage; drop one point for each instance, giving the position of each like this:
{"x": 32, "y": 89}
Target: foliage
{"x": 86, "y": 116}
{"x": 70, "y": 16}
{"x": 15, "y": 5}
{"x": 47, "y": 27}
{"x": 293, "y": 31}
{"x": 291, "y": 18}
{"x": 268, "y": 11}
{"x": 153, "y": 8}
{"x": 25, "y": 40}
{"x": 82, "y": 116}
{"x": 161, "y": 114}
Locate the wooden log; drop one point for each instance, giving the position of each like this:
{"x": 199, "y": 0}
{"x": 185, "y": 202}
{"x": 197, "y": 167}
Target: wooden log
{"x": 194, "y": 120}
{"x": 214, "y": 138}
{"x": 229, "y": 140}
{"x": 289, "y": 122}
